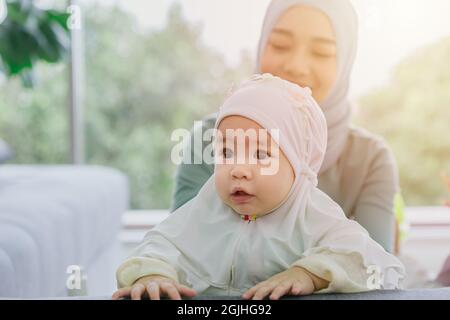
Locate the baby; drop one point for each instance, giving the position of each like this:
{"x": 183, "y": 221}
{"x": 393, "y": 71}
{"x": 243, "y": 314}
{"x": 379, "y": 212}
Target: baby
{"x": 260, "y": 227}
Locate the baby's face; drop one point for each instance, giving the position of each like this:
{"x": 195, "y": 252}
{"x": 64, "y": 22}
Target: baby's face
{"x": 240, "y": 179}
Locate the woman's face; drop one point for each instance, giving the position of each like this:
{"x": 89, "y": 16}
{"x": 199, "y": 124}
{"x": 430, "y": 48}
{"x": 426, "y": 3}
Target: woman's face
{"x": 239, "y": 174}
{"x": 302, "y": 49}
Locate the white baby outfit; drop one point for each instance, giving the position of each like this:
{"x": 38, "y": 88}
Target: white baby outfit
{"x": 206, "y": 245}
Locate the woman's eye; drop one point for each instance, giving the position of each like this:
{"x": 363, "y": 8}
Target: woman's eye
{"x": 323, "y": 54}
{"x": 227, "y": 153}
{"x": 280, "y": 47}
{"x": 261, "y": 155}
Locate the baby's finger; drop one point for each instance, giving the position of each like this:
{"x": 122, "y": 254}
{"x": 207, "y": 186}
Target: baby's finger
{"x": 281, "y": 290}
{"x": 264, "y": 291}
{"x": 186, "y": 291}
{"x": 124, "y": 292}
{"x": 250, "y": 292}
{"x": 153, "y": 290}
{"x": 136, "y": 291}
{"x": 170, "y": 290}
{"x": 297, "y": 288}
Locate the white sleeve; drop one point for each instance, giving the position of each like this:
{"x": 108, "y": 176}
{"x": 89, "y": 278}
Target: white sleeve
{"x": 345, "y": 272}
{"x": 341, "y": 251}
{"x": 137, "y": 267}
{"x": 156, "y": 254}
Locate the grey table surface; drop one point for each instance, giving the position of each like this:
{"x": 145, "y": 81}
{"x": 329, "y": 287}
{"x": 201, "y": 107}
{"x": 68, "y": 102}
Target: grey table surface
{"x": 412, "y": 294}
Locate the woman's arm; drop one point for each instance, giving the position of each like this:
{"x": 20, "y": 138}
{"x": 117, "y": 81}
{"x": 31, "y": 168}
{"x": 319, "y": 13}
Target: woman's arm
{"x": 190, "y": 178}
{"x": 374, "y": 208}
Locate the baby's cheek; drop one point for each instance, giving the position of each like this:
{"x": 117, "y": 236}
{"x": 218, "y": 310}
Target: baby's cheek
{"x": 277, "y": 187}
{"x": 269, "y": 186}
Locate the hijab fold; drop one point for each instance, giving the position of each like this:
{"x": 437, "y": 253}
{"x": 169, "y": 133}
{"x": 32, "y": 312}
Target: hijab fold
{"x": 336, "y": 106}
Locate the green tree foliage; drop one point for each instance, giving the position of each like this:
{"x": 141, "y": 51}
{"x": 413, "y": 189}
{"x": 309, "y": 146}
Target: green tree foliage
{"x": 140, "y": 86}
{"x": 34, "y": 122}
{"x": 413, "y": 114}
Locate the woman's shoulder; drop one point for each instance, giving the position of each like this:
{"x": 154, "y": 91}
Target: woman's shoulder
{"x": 367, "y": 152}
{"x": 366, "y": 144}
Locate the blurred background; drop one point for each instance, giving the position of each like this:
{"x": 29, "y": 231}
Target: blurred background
{"x": 154, "y": 66}
{"x": 135, "y": 70}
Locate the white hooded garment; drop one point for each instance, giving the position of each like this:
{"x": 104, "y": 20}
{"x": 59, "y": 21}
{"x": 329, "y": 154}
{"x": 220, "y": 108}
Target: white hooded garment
{"x": 205, "y": 244}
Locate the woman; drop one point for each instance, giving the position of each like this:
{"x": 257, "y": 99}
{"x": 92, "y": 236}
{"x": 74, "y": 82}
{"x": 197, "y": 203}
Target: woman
{"x": 313, "y": 43}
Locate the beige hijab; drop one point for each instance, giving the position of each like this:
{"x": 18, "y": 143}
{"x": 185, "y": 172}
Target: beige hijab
{"x": 336, "y": 106}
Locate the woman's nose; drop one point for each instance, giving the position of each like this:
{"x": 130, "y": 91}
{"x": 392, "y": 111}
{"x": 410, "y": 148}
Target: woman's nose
{"x": 298, "y": 64}
{"x": 241, "y": 172}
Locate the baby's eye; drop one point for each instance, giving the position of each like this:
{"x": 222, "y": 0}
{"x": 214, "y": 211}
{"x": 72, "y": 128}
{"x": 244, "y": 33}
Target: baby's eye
{"x": 261, "y": 154}
{"x": 227, "y": 153}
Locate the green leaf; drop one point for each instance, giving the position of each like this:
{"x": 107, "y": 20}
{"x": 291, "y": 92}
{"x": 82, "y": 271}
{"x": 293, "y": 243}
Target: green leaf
{"x": 58, "y": 17}
{"x": 15, "y": 14}
{"x": 30, "y": 34}
{"x": 49, "y": 48}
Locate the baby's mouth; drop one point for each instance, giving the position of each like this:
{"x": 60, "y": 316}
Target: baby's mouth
{"x": 241, "y": 197}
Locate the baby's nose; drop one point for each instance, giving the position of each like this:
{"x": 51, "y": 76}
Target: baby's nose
{"x": 241, "y": 172}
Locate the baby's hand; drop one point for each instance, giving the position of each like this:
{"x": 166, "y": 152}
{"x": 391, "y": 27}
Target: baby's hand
{"x": 294, "y": 281}
{"x": 152, "y": 287}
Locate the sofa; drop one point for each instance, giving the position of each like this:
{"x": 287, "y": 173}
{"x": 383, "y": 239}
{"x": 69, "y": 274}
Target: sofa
{"x": 55, "y": 217}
